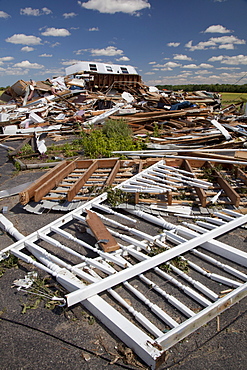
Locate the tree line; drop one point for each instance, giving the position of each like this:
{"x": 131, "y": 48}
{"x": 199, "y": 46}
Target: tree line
{"x": 206, "y": 87}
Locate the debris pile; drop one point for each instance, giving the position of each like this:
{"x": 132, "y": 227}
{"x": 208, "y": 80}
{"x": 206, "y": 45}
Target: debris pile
{"x": 150, "y": 281}
{"x": 162, "y": 119}
{"x": 85, "y": 99}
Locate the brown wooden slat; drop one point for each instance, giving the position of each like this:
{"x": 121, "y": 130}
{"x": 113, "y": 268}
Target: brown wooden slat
{"x": 26, "y": 195}
{"x": 113, "y": 174}
{"x": 81, "y": 181}
{"x": 53, "y": 181}
{"x": 200, "y": 192}
{"x": 83, "y": 164}
{"x": 241, "y": 175}
{"x": 230, "y": 192}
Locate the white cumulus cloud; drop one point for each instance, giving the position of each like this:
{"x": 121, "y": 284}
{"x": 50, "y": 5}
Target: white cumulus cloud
{"x": 227, "y": 46}
{"x": 173, "y": 44}
{"x": 191, "y": 66}
{"x": 20, "y": 38}
{"x": 205, "y": 65}
{"x": 27, "y": 49}
{"x": 217, "y": 29}
{"x": 56, "y": 32}
{"x": 35, "y": 12}
{"x": 4, "y": 14}
{"x": 228, "y": 40}
{"x": 55, "y": 45}
{"x": 116, "y": 6}
{"x": 166, "y": 67}
{"x": 109, "y": 51}
{"x": 27, "y": 64}
{"x": 222, "y": 42}
{"x": 6, "y": 59}
{"x": 123, "y": 59}
{"x": 181, "y": 57}
{"x": 216, "y": 59}
{"x": 234, "y": 60}
{"x": 45, "y": 55}
{"x": 93, "y": 29}
{"x": 69, "y": 15}
{"x": 202, "y": 72}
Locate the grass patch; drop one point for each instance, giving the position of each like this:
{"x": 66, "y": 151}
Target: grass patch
{"x": 233, "y": 98}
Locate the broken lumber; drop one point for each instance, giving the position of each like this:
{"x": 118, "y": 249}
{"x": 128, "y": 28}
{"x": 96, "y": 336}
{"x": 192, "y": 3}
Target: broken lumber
{"x": 104, "y": 238}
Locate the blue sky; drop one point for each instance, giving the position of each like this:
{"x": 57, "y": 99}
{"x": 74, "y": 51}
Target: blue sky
{"x": 167, "y": 41}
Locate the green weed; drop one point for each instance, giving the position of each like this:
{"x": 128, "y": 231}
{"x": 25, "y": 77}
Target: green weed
{"x": 115, "y": 135}
{"x": 26, "y": 150}
{"x": 8, "y": 263}
{"x": 41, "y": 291}
{"x": 116, "y": 196}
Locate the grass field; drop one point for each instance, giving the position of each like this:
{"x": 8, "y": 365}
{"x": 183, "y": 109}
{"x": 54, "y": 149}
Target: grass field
{"x": 229, "y": 98}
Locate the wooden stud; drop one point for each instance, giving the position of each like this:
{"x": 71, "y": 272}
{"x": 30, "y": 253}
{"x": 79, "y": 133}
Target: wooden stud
{"x": 26, "y": 195}
{"x": 53, "y": 181}
{"x": 81, "y": 181}
{"x": 101, "y": 233}
{"x": 200, "y": 192}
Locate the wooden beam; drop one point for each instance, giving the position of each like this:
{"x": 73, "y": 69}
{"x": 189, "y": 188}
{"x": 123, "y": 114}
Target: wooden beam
{"x": 26, "y": 195}
{"x": 241, "y": 175}
{"x": 200, "y": 192}
{"x": 53, "y": 180}
{"x": 104, "y": 238}
{"x": 113, "y": 174}
{"x": 230, "y": 192}
{"x": 81, "y": 181}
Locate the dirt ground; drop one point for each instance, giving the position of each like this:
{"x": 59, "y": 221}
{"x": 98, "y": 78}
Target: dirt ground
{"x": 65, "y": 338}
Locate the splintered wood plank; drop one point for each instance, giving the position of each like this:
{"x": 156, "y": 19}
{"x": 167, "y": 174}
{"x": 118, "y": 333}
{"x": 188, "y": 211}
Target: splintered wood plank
{"x": 53, "y": 181}
{"x": 230, "y": 192}
{"x": 101, "y": 233}
{"x": 113, "y": 174}
{"x": 81, "y": 181}
{"x": 26, "y": 195}
{"x": 200, "y": 192}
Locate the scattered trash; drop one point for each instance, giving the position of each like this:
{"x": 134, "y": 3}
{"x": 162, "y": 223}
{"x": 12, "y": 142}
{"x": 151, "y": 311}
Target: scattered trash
{"x": 27, "y": 282}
